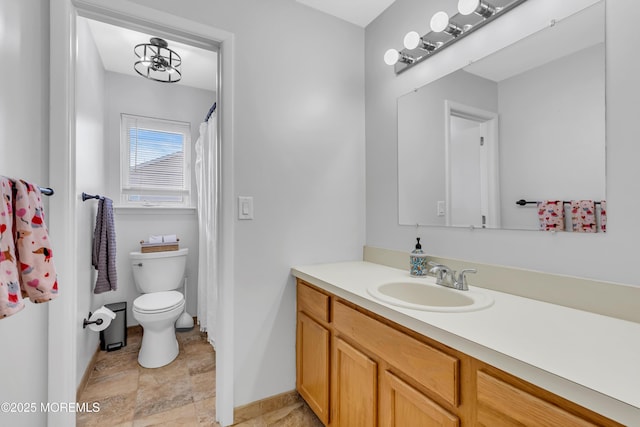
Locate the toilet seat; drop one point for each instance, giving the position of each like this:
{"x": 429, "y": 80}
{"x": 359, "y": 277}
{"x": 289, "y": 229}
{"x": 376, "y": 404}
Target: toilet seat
{"x": 158, "y": 302}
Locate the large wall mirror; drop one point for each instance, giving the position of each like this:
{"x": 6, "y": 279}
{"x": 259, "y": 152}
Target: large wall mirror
{"x": 525, "y": 123}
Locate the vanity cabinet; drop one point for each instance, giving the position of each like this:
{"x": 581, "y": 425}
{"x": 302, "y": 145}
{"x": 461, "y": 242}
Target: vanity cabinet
{"x": 313, "y": 350}
{"x": 358, "y": 369}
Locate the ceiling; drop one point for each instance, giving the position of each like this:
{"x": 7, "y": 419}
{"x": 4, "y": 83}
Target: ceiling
{"x": 359, "y": 12}
{"x": 115, "y": 47}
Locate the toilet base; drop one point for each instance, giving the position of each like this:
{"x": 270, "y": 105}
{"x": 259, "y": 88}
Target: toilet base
{"x": 158, "y": 348}
{"x": 159, "y": 345}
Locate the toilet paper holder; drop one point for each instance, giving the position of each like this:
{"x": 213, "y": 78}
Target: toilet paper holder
{"x": 86, "y": 322}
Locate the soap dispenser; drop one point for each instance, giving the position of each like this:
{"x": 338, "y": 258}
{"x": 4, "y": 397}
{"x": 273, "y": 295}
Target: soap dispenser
{"x": 418, "y": 261}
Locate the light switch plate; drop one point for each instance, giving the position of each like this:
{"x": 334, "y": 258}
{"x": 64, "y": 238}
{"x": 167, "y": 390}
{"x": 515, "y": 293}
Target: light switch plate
{"x": 440, "y": 207}
{"x": 245, "y": 207}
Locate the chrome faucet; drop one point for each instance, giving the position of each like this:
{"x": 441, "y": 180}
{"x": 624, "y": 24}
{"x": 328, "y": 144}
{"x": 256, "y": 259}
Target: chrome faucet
{"x": 460, "y": 282}
{"x": 447, "y": 277}
{"x": 440, "y": 271}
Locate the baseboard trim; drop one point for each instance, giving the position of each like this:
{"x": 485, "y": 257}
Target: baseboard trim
{"x": 264, "y": 406}
{"x": 87, "y": 373}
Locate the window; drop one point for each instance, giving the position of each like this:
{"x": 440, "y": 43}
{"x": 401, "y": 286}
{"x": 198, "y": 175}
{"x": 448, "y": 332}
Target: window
{"x": 155, "y": 165}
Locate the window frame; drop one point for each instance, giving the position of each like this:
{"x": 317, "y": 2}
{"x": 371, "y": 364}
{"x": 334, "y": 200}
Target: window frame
{"x": 160, "y": 125}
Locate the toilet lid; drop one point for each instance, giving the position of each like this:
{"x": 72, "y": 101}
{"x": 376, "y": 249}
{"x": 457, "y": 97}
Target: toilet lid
{"x": 158, "y": 301}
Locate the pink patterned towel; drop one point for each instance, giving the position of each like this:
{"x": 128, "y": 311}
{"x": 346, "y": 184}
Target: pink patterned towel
{"x": 10, "y": 296}
{"x": 603, "y": 216}
{"x": 583, "y": 216}
{"x": 37, "y": 272}
{"x": 551, "y": 215}
{"x": 26, "y": 268}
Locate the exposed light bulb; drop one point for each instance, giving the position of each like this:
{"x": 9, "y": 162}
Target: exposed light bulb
{"x": 412, "y": 40}
{"x": 391, "y": 57}
{"x": 467, "y": 7}
{"x": 439, "y": 22}
{"x": 479, "y": 7}
{"x": 146, "y": 61}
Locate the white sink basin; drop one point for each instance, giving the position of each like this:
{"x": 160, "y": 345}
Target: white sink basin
{"x": 429, "y": 297}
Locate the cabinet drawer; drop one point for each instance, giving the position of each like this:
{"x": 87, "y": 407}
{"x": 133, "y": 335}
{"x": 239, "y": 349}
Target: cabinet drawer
{"x": 312, "y": 302}
{"x": 502, "y": 404}
{"x": 435, "y": 370}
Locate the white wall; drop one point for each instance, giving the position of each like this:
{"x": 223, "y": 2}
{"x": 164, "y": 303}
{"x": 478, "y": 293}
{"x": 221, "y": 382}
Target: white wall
{"x": 542, "y": 158}
{"x": 91, "y": 178}
{"x": 138, "y": 96}
{"x": 299, "y": 150}
{"x": 609, "y": 256}
{"x": 24, "y": 130}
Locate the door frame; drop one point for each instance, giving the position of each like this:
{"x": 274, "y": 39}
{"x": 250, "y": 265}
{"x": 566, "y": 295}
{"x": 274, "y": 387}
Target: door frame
{"x": 489, "y": 119}
{"x": 64, "y": 319}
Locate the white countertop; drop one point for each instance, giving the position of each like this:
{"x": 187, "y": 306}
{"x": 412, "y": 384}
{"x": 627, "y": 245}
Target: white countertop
{"x": 588, "y": 358}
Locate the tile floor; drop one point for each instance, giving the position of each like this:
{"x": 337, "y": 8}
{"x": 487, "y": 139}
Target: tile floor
{"x": 179, "y": 394}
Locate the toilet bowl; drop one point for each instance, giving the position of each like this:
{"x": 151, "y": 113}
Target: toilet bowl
{"x": 158, "y": 275}
{"x": 157, "y": 313}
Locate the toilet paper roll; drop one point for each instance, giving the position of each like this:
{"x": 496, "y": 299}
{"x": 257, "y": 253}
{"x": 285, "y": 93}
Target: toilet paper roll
{"x": 155, "y": 239}
{"x": 102, "y": 313}
{"x": 169, "y": 238}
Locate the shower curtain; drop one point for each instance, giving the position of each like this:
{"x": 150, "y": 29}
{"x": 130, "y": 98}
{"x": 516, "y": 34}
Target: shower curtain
{"x": 206, "y": 167}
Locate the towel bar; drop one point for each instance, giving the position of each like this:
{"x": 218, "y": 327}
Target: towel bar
{"x": 523, "y": 202}
{"x": 86, "y": 197}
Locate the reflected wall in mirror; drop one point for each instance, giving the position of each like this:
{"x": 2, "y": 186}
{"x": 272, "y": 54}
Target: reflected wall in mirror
{"x": 527, "y": 122}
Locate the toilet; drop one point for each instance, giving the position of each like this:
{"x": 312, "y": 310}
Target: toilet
{"x": 157, "y": 275}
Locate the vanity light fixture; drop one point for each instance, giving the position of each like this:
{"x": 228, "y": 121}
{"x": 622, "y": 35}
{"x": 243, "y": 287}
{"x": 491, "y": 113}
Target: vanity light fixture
{"x": 157, "y": 62}
{"x": 472, "y": 15}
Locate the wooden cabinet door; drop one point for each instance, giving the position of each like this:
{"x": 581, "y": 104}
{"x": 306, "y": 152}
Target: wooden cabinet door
{"x": 401, "y": 405}
{"x": 355, "y": 388}
{"x": 501, "y": 404}
{"x": 312, "y": 365}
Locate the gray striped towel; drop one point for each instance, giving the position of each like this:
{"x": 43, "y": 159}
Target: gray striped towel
{"x": 104, "y": 248}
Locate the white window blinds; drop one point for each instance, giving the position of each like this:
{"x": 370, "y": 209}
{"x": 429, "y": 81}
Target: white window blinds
{"x": 155, "y": 160}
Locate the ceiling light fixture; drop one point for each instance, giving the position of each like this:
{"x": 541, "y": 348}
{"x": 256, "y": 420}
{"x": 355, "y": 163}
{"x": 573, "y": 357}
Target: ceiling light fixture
{"x": 472, "y": 15}
{"x": 157, "y": 62}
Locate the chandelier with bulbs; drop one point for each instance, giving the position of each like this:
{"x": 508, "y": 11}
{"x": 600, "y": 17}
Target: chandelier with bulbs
{"x": 156, "y": 61}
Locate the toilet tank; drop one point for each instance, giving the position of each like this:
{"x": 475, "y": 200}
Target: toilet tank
{"x": 158, "y": 271}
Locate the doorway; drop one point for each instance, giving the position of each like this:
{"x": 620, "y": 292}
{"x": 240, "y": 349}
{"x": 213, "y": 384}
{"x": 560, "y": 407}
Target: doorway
{"x": 471, "y": 169}
{"x": 62, "y": 373}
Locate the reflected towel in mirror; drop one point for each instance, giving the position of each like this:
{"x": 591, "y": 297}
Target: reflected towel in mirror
{"x": 603, "y": 215}
{"x": 583, "y": 216}
{"x": 551, "y": 215}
